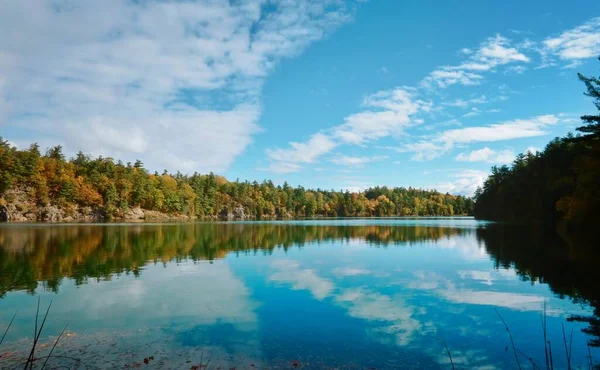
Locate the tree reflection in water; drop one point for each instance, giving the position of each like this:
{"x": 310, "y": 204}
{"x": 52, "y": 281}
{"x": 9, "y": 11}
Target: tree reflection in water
{"x": 42, "y": 255}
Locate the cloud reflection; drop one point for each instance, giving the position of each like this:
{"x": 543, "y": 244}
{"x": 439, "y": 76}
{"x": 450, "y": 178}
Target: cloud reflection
{"x": 289, "y": 272}
{"x": 461, "y": 292}
{"x": 156, "y": 297}
{"x": 488, "y": 277}
{"x": 393, "y": 315}
{"x": 349, "y": 271}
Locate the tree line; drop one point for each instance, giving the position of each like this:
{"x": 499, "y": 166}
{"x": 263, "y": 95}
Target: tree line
{"x": 115, "y": 187}
{"x": 560, "y": 183}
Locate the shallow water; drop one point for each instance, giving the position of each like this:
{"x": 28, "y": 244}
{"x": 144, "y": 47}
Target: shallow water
{"x": 345, "y": 294}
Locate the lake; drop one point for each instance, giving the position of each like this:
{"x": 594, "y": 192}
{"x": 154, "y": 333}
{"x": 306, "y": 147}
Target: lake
{"x": 318, "y": 294}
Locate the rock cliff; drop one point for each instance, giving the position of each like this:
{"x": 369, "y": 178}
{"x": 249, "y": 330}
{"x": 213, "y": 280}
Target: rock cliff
{"x": 20, "y": 208}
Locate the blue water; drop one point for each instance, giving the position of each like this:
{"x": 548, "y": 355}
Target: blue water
{"x": 347, "y": 294}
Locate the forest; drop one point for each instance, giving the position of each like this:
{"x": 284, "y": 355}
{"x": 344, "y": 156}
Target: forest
{"x": 114, "y": 187}
{"x": 559, "y": 184}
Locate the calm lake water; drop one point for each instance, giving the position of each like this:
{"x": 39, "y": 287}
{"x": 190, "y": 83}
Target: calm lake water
{"x": 331, "y": 294}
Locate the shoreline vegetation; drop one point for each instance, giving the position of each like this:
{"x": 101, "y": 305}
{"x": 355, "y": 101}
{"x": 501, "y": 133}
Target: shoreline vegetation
{"x": 559, "y": 185}
{"x": 48, "y": 187}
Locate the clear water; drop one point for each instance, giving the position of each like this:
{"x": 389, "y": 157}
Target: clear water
{"x": 318, "y": 294}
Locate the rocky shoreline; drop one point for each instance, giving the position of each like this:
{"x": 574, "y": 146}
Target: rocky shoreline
{"x": 20, "y": 208}
{"x": 52, "y": 213}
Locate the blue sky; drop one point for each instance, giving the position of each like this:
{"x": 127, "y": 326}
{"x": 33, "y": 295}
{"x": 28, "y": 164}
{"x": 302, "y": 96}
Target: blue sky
{"x": 322, "y": 93}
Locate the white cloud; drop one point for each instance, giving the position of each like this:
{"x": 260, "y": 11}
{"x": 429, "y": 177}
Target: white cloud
{"x": 578, "y": 43}
{"x": 470, "y": 173}
{"x": 12, "y": 144}
{"x": 282, "y": 167}
{"x": 391, "y": 112}
{"x": 307, "y": 152}
{"x": 473, "y": 112}
{"x": 495, "y": 51}
{"x": 424, "y": 150}
{"x": 111, "y": 136}
{"x": 446, "y": 140}
{"x": 446, "y": 77}
{"x": 467, "y": 181}
{"x": 461, "y": 103}
{"x": 344, "y": 160}
{"x": 388, "y": 113}
{"x": 487, "y": 155}
{"x": 515, "y": 129}
{"x": 383, "y": 70}
{"x": 289, "y": 159}
{"x": 516, "y": 69}
{"x": 132, "y": 79}
{"x": 451, "y": 122}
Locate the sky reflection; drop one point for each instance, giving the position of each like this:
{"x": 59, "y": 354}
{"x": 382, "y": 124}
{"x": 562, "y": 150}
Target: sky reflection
{"x": 379, "y": 297}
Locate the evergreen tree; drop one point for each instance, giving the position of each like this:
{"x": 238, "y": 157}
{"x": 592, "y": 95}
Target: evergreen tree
{"x": 591, "y": 130}
{"x": 562, "y": 182}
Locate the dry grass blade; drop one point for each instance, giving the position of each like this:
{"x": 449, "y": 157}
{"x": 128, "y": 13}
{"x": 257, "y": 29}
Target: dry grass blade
{"x": 566, "y": 347}
{"x": 54, "y": 346}
{"x": 512, "y": 342}
{"x": 533, "y": 364}
{"x": 550, "y": 352}
{"x": 590, "y": 355}
{"x": 75, "y": 360}
{"x": 37, "y": 314}
{"x": 570, "y": 345}
{"x": 544, "y": 328}
{"x": 8, "y": 327}
{"x": 448, "y": 352}
{"x": 31, "y": 357}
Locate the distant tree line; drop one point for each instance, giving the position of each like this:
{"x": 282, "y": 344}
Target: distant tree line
{"x": 115, "y": 187}
{"x": 562, "y": 182}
